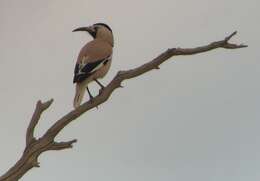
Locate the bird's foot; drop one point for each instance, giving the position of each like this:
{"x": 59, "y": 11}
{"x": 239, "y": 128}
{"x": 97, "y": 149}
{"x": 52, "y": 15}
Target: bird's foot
{"x": 101, "y": 90}
{"x": 90, "y": 96}
{"x": 91, "y": 100}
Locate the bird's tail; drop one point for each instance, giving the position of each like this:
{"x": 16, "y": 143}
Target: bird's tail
{"x": 80, "y": 91}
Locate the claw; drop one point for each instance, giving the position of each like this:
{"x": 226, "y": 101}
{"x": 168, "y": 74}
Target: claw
{"x": 100, "y": 91}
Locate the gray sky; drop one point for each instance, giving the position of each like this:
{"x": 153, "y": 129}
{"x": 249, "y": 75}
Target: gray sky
{"x": 197, "y": 118}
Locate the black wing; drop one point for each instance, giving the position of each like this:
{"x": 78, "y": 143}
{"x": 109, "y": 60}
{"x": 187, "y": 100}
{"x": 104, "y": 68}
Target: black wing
{"x": 81, "y": 73}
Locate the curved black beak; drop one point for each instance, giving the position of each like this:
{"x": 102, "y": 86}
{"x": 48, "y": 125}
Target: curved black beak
{"x": 91, "y": 30}
{"x": 82, "y": 29}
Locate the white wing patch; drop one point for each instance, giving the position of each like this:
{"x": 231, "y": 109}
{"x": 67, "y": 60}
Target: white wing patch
{"x": 82, "y": 64}
{"x": 98, "y": 67}
{"x": 102, "y": 63}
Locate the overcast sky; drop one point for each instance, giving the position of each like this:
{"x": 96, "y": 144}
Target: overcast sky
{"x": 197, "y": 118}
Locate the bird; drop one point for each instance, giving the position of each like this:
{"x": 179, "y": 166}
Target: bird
{"x": 94, "y": 60}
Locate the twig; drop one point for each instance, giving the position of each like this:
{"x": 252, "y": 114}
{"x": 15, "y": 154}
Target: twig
{"x": 40, "y": 107}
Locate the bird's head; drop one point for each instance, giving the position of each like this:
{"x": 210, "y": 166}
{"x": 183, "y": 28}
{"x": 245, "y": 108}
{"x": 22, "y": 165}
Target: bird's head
{"x": 99, "y": 31}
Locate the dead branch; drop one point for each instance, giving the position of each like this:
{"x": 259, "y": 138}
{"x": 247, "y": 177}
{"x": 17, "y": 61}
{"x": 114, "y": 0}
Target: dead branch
{"x": 36, "y": 146}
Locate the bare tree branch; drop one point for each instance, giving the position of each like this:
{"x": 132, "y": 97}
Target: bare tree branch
{"x": 40, "y": 107}
{"x": 62, "y": 145}
{"x": 34, "y": 147}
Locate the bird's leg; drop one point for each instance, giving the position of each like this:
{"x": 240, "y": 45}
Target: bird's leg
{"x": 102, "y": 87}
{"x": 90, "y": 95}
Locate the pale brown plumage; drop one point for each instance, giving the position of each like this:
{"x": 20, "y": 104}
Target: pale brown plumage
{"x": 94, "y": 59}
